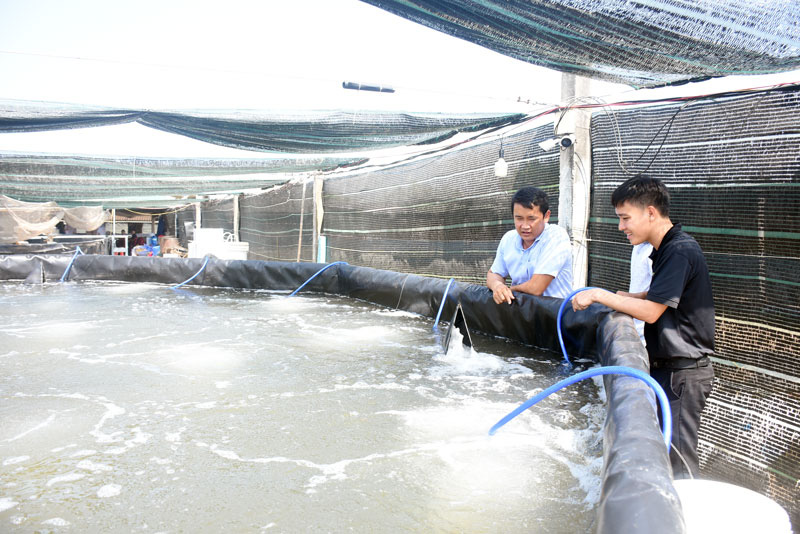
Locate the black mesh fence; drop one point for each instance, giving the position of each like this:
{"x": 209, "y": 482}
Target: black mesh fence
{"x": 441, "y": 216}
{"x": 273, "y": 222}
{"x": 213, "y": 214}
{"x": 218, "y": 214}
{"x": 733, "y": 170}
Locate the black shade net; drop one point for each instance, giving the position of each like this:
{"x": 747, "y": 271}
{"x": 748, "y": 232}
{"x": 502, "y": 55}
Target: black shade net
{"x": 442, "y": 216}
{"x": 639, "y": 43}
{"x": 732, "y": 167}
{"x": 301, "y": 132}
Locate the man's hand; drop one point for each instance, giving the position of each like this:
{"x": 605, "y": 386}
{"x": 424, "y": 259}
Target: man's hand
{"x": 584, "y": 299}
{"x": 634, "y": 305}
{"x": 502, "y": 293}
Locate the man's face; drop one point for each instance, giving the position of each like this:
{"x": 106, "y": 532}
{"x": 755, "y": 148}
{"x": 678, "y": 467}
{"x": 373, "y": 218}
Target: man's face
{"x": 529, "y": 222}
{"x": 635, "y": 221}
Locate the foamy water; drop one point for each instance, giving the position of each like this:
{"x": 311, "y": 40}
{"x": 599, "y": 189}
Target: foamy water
{"x": 131, "y": 407}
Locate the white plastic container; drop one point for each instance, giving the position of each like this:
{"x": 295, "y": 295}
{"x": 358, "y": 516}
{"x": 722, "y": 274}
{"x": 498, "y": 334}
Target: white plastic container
{"x": 710, "y": 506}
{"x": 212, "y": 241}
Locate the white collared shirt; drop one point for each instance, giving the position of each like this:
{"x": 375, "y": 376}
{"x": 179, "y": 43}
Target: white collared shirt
{"x": 550, "y": 254}
{"x": 641, "y": 274}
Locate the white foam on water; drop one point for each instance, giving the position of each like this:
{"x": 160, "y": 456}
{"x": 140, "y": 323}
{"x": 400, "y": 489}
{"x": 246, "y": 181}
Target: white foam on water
{"x": 449, "y": 440}
{"x": 202, "y": 358}
{"x": 138, "y": 288}
{"x": 93, "y": 466}
{"x": 390, "y": 386}
{"x": 16, "y": 460}
{"x": 480, "y": 466}
{"x": 36, "y": 427}
{"x": 66, "y": 329}
{"x": 7, "y": 504}
{"x": 56, "y": 522}
{"x": 112, "y": 410}
{"x": 61, "y": 449}
{"x": 344, "y": 336}
{"x": 81, "y": 453}
{"x": 109, "y": 490}
{"x": 65, "y": 478}
{"x": 461, "y": 359}
{"x": 395, "y": 313}
{"x": 174, "y": 437}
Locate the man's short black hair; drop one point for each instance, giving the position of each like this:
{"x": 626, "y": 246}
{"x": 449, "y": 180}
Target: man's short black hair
{"x": 528, "y": 197}
{"x": 642, "y": 191}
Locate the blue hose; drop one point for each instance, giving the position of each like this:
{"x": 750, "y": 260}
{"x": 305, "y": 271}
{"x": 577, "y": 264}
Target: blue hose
{"x": 195, "y": 274}
{"x": 441, "y": 306}
{"x": 666, "y": 414}
{"x": 558, "y": 321}
{"x": 69, "y": 266}
{"x": 666, "y": 419}
{"x": 315, "y": 275}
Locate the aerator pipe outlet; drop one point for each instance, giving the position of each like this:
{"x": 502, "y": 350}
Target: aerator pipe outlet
{"x": 441, "y": 306}
{"x": 69, "y": 265}
{"x": 666, "y": 419}
{"x": 195, "y": 274}
{"x": 315, "y": 275}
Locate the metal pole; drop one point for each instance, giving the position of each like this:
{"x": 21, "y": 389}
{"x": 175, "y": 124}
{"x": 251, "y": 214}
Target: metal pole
{"x": 300, "y": 236}
{"x": 236, "y": 217}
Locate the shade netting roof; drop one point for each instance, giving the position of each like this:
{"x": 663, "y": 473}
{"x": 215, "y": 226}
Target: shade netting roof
{"x": 298, "y": 132}
{"x": 643, "y": 43}
{"x": 127, "y": 181}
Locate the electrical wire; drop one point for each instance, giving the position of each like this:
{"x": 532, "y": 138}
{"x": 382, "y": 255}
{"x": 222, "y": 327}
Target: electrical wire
{"x": 184, "y": 207}
{"x": 597, "y": 103}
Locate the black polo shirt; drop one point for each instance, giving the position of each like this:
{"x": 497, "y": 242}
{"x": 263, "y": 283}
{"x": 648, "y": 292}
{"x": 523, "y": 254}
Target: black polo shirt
{"x": 681, "y": 281}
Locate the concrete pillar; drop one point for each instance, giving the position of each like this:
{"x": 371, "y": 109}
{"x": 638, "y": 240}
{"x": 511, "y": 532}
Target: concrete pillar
{"x": 575, "y": 174}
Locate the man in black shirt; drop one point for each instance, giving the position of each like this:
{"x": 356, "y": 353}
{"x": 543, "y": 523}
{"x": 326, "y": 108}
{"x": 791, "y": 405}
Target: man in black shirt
{"x": 678, "y": 311}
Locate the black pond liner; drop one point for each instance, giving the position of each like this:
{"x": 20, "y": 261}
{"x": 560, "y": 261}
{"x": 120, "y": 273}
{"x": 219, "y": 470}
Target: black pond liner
{"x": 637, "y": 495}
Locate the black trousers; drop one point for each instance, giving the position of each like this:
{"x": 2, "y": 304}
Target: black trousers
{"x": 687, "y": 391}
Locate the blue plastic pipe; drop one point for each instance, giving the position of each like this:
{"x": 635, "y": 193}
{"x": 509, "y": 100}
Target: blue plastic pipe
{"x": 315, "y": 275}
{"x": 195, "y": 274}
{"x": 441, "y": 306}
{"x": 69, "y": 265}
{"x": 558, "y": 320}
{"x": 666, "y": 419}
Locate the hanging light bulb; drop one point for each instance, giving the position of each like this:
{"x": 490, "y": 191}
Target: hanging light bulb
{"x": 500, "y": 166}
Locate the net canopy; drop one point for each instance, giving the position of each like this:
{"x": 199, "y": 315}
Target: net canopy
{"x": 299, "y": 132}
{"x": 130, "y": 182}
{"x": 22, "y": 220}
{"x": 644, "y": 43}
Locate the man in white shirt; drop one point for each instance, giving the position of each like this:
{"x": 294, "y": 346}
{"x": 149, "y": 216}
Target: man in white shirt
{"x": 536, "y": 255}
{"x": 641, "y": 274}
